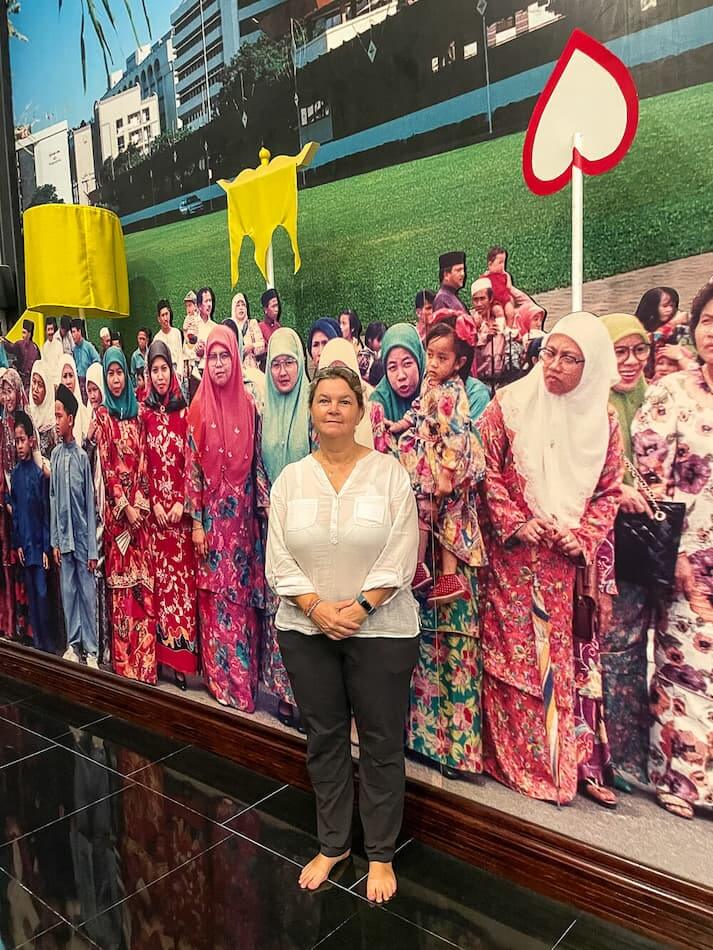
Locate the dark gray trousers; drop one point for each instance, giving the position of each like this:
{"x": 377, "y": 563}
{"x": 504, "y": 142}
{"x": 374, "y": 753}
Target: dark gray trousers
{"x": 330, "y": 678}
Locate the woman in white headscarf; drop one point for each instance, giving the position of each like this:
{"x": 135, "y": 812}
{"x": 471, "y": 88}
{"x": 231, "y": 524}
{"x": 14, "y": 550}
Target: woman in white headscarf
{"x": 342, "y": 352}
{"x": 69, "y": 376}
{"x": 41, "y": 409}
{"x": 552, "y": 488}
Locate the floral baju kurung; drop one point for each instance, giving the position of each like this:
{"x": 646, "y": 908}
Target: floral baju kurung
{"x": 516, "y": 748}
{"x": 673, "y": 447}
{"x": 126, "y": 548}
{"x": 171, "y": 554}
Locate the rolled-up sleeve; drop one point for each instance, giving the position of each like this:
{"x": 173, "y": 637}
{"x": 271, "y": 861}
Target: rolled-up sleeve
{"x": 396, "y": 564}
{"x": 284, "y": 575}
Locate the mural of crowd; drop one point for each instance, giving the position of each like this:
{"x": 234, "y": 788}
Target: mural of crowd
{"x": 136, "y": 502}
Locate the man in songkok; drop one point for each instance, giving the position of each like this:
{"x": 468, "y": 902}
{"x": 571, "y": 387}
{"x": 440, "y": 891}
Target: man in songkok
{"x": 25, "y": 351}
{"x": 451, "y": 273}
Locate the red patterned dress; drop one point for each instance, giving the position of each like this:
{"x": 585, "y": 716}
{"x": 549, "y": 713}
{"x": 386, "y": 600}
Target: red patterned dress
{"x": 126, "y": 548}
{"x": 516, "y": 750}
{"x": 171, "y": 555}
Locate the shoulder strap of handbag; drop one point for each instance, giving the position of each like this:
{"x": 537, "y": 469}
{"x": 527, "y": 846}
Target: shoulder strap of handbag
{"x": 642, "y": 485}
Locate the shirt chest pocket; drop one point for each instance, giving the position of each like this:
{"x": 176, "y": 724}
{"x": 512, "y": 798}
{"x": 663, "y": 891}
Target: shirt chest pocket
{"x": 301, "y": 514}
{"x": 370, "y": 511}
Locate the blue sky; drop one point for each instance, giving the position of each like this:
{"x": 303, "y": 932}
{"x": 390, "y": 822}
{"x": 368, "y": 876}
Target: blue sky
{"x": 47, "y": 71}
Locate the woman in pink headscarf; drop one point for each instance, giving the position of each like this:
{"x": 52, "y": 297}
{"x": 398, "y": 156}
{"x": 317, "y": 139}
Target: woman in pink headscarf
{"x": 227, "y": 486}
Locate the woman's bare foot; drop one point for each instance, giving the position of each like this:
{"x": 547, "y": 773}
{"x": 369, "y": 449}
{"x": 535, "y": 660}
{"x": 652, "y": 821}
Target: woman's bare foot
{"x": 381, "y": 882}
{"x": 317, "y": 871}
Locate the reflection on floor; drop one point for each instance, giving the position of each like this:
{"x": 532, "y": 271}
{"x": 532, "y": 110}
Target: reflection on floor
{"x": 638, "y": 829}
{"x": 114, "y": 837}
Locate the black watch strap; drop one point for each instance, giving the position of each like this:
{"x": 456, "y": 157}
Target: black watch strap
{"x": 363, "y": 602}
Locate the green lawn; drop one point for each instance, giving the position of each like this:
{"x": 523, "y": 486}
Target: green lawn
{"x": 370, "y": 242}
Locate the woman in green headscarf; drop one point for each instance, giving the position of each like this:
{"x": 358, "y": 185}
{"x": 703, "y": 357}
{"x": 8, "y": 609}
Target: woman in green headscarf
{"x": 625, "y": 612}
{"x": 449, "y": 670}
{"x": 126, "y": 509}
{"x": 285, "y": 439}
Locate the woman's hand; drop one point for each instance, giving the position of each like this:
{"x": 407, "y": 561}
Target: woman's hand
{"x": 633, "y": 502}
{"x": 176, "y": 513}
{"x": 159, "y": 513}
{"x": 685, "y": 578}
{"x": 132, "y": 515}
{"x": 200, "y": 541}
{"x": 566, "y": 542}
{"x": 535, "y": 531}
{"x": 331, "y": 620}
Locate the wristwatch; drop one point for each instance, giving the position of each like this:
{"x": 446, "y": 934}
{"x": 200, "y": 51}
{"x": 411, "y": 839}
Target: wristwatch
{"x": 368, "y": 607}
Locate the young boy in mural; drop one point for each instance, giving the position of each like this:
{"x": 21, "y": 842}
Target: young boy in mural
{"x": 73, "y": 532}
{"x": 30, "y": 529}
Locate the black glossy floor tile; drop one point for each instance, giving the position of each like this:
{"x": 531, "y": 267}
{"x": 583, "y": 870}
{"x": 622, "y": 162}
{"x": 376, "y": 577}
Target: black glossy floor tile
{"x": 12, "y": 691}
{"x": 46, "y": 787}
{"x": 591, "y": 933}
{"x": 372, "y": 927}
{"x": 128, "y": 747}
{"x": 215, "y": 787}
{"x": 287, "y": 824}
{"x": 469, "y": 907}
{"x": 52, "y": 716}
{"x": 93, "y": 859}
{"x": 23, "y": 917}
{"x": 234, "y": 896}
{"x": 16, "y": 743}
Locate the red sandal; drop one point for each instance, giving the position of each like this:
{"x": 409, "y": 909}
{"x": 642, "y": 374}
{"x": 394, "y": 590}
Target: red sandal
{"x": 422, "y": 578}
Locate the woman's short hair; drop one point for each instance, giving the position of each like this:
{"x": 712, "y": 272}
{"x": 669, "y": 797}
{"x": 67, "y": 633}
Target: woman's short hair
{"x": 354, "y": 323}
{"x": 648, "y": 309}
{"x": 337, "y": 371}
{"x": 375, "y": 331}
{"x": 702, "y": 298}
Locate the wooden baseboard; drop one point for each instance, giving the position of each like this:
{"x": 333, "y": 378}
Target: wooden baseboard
{"x": 632, "y": 895}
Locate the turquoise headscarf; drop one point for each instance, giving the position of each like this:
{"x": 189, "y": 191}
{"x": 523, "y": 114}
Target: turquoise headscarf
{"x": 124, "y": 406}
{"x": 285, "y": 426}
{"x": 405, "y": 335}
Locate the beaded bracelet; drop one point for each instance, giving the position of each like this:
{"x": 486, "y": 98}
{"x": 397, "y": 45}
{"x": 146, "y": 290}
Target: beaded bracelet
{"x": 310, "y": 609}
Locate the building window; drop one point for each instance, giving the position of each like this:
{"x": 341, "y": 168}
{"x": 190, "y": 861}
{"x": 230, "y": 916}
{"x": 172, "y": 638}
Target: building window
{"x": 470, "y": 50}
{"x": 147, "y": 115}
{"x": 120, "y": 143}
{"x": 119, "y": 124}
{"x": 314, "y": 112}
{"x": 435, "y": 64}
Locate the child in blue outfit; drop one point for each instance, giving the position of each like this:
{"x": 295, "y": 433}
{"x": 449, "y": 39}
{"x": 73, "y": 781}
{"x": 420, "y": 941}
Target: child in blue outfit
{"x": 73, "y": 532}
{"x": 31, "y": 529}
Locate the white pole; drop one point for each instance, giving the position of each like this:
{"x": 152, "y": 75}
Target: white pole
{"x": 487, "y": 76}
{"x": 270, "y": 263}
{"x": 577, "y": 225}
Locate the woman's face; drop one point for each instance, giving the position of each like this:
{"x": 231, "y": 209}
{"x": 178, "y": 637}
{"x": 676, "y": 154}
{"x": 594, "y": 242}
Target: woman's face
{"x": 283, "y": 370}
{"x": 240, "y": 310}
{"x": 345, "y": 326}
{"x": 68, "y": 377}
{"x": 563, "y": 372}
{"x": 704, "y": 334}
{"x": 402, "y": 372}
{"x": 160, "y": 375}
{"x": 319, "y": 341}
{"x": 8, "y": 396}
{"x": 631, "y": 354}
{"x": 666, "y": 308}
{"x": 94, "y": 394}
{"x": 115, "y": 380}
{"x": 220, "y": 364}
{"x": 39, "y": 390}
{"x": 335, "y": 410}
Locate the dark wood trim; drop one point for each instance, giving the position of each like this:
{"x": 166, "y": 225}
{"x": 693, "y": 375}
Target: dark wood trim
{"x": 630, "y": 894}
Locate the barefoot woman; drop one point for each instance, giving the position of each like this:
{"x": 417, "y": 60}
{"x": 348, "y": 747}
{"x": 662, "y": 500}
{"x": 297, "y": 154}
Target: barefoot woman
{"x": 341, "y": 553}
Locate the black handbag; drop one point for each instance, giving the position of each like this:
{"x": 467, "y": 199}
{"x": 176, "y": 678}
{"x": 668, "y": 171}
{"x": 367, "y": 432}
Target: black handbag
{"x": 646, "y": 548}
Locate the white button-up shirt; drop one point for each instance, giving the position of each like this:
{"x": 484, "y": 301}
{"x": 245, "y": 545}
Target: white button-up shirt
{"x": 339, "y": 544}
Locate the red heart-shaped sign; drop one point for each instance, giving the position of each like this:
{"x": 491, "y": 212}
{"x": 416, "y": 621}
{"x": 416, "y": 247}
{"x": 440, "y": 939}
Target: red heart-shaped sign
{"x": 590, "y": 93}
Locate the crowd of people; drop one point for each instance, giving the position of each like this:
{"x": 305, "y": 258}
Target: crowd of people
{"x": 196, "y": 507}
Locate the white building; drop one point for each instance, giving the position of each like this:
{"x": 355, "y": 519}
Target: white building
{"x": 206, "y": 37}
{"x": 152, "y": 69}
{"x": 43, "y": 159}
{"x": 83, "y": 171}
{"x": 126, "y": 119}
